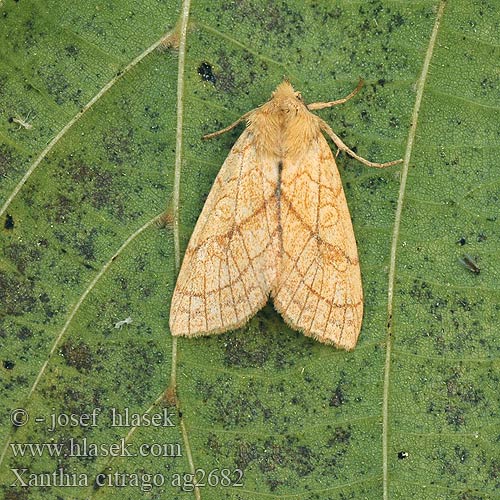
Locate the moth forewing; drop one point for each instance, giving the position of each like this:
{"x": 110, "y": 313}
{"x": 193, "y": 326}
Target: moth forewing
{"x": 231, "y": 258}
{"x": 319, "y": 288}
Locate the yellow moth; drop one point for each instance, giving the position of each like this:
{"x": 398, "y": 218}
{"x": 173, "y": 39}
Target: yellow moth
{"x": 275, "y": 224}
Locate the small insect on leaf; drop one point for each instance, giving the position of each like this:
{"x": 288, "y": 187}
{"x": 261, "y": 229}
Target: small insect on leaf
{"x": 468, "y": 262}
{"x": 275, "y": 224}
{"x": 125, "y": 321}
{"x": 22, "y": 122}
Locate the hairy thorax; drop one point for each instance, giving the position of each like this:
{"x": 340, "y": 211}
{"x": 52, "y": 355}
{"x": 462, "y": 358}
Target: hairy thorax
{"x": 283, "y": 127}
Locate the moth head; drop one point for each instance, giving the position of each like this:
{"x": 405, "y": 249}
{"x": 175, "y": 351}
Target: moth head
{"x": 286, "y": 98}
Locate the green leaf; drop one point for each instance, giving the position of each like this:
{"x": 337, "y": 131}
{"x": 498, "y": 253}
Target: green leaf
{"x": 100, "y": 191}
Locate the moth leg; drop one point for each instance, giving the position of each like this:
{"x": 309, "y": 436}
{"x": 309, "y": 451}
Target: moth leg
{"x": 342, "y": 147}
{"x": 323, "y": 105}
{"x": 228, "y": 128}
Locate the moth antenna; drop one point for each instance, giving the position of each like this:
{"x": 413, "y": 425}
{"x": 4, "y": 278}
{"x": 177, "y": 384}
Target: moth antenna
{"x": 228, "y": 128}
{"x": 323, "y": 105}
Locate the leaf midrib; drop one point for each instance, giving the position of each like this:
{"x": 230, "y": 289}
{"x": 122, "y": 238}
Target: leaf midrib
{"x": 395, "y": 240}
{"x": 182, "y": 27}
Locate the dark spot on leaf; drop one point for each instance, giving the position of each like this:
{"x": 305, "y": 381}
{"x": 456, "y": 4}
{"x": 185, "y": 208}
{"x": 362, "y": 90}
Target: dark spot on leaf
{"x": 396, "y": 21}
{"x": 374, "y": 183}
{"x": 24, "y": 333}
{"x": 470, "y": 495}
{"x": 78, "y": 398}
{"x": 226, "y": 77}
{"x": 421, "y": 291}
{"x": 8, "y": 364}
{"x": 213, "y": 444}
{"x": 86, "y": 244}
{"x": 495, "y": 469}
{"x": 461, "y": 453}
{"x": 402, "y": 455}
{"x": 464, "y": 304}
{"x": 204, "y": 389}
{"x": 285, "y": 452}
{"x": 274, "y": 483}
{"x": 487, "y": 83}
{"x": 16, "y": 295}
{"x": 245, "y": 351}
{"x": 234, "y": 408}
{"x": 245, "y": 454}
{"x": 9, "y": 222}
{"x": 365, "y": 26}
{"x": 455, "y": 415}
{"x": 206, "y": 72}
{"x": 118, "y": 144}
{"x": 144, "y": 358}
{"x": 394, "y": 122}
{"x": 6, "y": 158}
{"x": 338, "y": 397}
{"x": 463, "y": 389}
{"x": 12, "y": 494}
{"x": 276, "y": 17}
{"x": 77, "y": 355}
{"x": 462, "y": 241}
{"x": 72, "y": 50}
{"x": 336, "y": 13}
{"x": 59, "y": 209}
{"x": 58, "y": 85}
{"x": 341, "y": 435}
{"x": 101, "y": 193}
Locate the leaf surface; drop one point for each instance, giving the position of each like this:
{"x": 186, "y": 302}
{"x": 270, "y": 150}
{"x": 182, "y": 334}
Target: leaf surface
{"x": 99, "y": 193}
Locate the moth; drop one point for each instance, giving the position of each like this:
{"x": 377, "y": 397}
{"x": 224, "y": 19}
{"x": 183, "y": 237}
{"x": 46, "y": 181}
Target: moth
{"x": 275, "y": 224}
